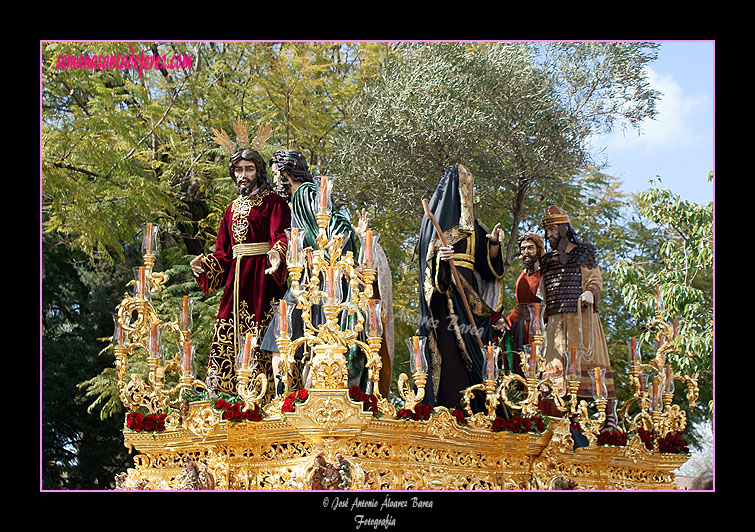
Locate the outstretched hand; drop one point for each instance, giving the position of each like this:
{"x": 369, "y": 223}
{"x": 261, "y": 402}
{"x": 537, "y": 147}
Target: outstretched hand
{"x": 363, "y": 224}
{"x": 196, "y": 265}
{"x": 275, "y": 261}
{"x": 496, "y": 235}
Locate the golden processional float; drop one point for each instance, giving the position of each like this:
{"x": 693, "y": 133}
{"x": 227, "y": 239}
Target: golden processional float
{"x": 332, "y": 437}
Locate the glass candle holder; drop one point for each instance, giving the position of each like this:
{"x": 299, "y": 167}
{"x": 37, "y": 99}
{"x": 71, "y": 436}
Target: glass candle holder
{"x": 668, "y": 385}
{"x": 324, "y": 194}
{"x": 185, "y": 320}
{"x": 374, "y": 318}
{"x": 187, "y": 359}
{"x": 598, "y": 378}
{"x": 644, "y": 381}
{"x": 530, "y": 359}
{"x": 141, "y": 284}
{"x": 656, "y": 403}
{"x": 635, "y": 355}
{"x": 118, "y": 338}
{"x": 536, "y": 319}
{"x": 367, "y": 251}
{"x": 149, "y": 244}
{"x": 417, "y": 358}
{"x": 283, "y": 311}
{"x": 247, "y": 346}
{"x": 492, "y": 355}
{"x": 332, "y": 285}
{"x": 573, "y": 366}
{"x": 155, "y": 341}
{"x": 295, "y": 252}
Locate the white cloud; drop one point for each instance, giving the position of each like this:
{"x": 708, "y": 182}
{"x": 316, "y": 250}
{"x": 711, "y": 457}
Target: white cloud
{"x": 672, "y": 128}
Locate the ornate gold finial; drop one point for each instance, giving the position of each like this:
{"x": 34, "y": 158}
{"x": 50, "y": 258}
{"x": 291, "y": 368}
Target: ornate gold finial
{"x": 264, "y": 132}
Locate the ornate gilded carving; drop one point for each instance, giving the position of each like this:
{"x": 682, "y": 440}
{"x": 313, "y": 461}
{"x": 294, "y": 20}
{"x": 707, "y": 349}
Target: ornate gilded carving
{"x": 330, "y": 441}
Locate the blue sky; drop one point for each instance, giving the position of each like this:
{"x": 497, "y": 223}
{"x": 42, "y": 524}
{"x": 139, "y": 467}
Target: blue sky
{"x": 678, "y": 145}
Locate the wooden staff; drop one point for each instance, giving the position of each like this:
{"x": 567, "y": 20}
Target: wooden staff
{"x": 454, "y": 272}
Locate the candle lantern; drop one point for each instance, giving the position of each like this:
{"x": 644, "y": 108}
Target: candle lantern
{"x": 417, "y": 359}
{"x": 598, "y": 378}
{"x": 141, "y": 284}
{"x": 530, "y": 359}
{"x": 492, "y": 354}
{"x": 374, "y": 318}
{"x": 324, "y": 194}
{"x": 186, "y": 321}
{"x": 155, "y": 341}
{"x": 187, "y": 359}
{"x": 536, "y": 319}
{"x": 573, "y": 366}
{"x": 283, "y": 310}
{"x": 295, "y": 253}
{"x": 149, "y": 239}
{"x": 656, "y": 404}
{"x": 245, "y": 357}
{"x": 644, "y": 382}
{"x": 367, "y": 252}
{"x": 635, "y": 355}
{"x": 668, "y": 385}
{"x": 333, "y": 276}
{"x": 117, "y": 332}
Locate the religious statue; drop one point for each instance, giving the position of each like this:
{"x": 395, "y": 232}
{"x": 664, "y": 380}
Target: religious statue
{"x": 248, "y": 261}
{"x": 572, "y": 281}
{"x": 196, "y": 476}
{"x": 325, "y": 475}
{"x": 528, "y": 289}
{"x": 296, "y": 184}
{"x": 461, "y": 286}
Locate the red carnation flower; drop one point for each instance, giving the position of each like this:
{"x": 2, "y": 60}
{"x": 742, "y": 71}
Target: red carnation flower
{"x": 303, "y": 394}
{"x": 459, "y": 415}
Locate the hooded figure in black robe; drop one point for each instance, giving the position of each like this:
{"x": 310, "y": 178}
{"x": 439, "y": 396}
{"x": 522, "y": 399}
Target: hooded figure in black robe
{"x": 455, "y": 360}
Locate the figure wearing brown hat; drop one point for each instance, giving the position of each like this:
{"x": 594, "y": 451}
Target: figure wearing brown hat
{"x": 572, "y": 285}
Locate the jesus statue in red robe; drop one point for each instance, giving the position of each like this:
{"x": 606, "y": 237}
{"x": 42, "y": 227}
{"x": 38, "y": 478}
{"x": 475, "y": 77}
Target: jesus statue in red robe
{"x": 248, "y": 263}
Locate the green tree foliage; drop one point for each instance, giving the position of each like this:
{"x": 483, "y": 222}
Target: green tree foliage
{"x": 79, "y": 450}
{"x": 518, "y": 115}
{"x": 121, "y": 147}
{"x": 679, "y": 270}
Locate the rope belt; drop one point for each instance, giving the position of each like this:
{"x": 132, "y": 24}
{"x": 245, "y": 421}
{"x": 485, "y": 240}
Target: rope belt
{"x": 248, "y": 250}
{"x": 239, "y": 251}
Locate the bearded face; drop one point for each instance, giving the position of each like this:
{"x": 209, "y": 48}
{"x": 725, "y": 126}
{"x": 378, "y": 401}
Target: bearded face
{"x": 553, "y": 236}
{"x": 530, "y": 255}
{"x": 245, "y": 173}
{"x": 282, "y": 184}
